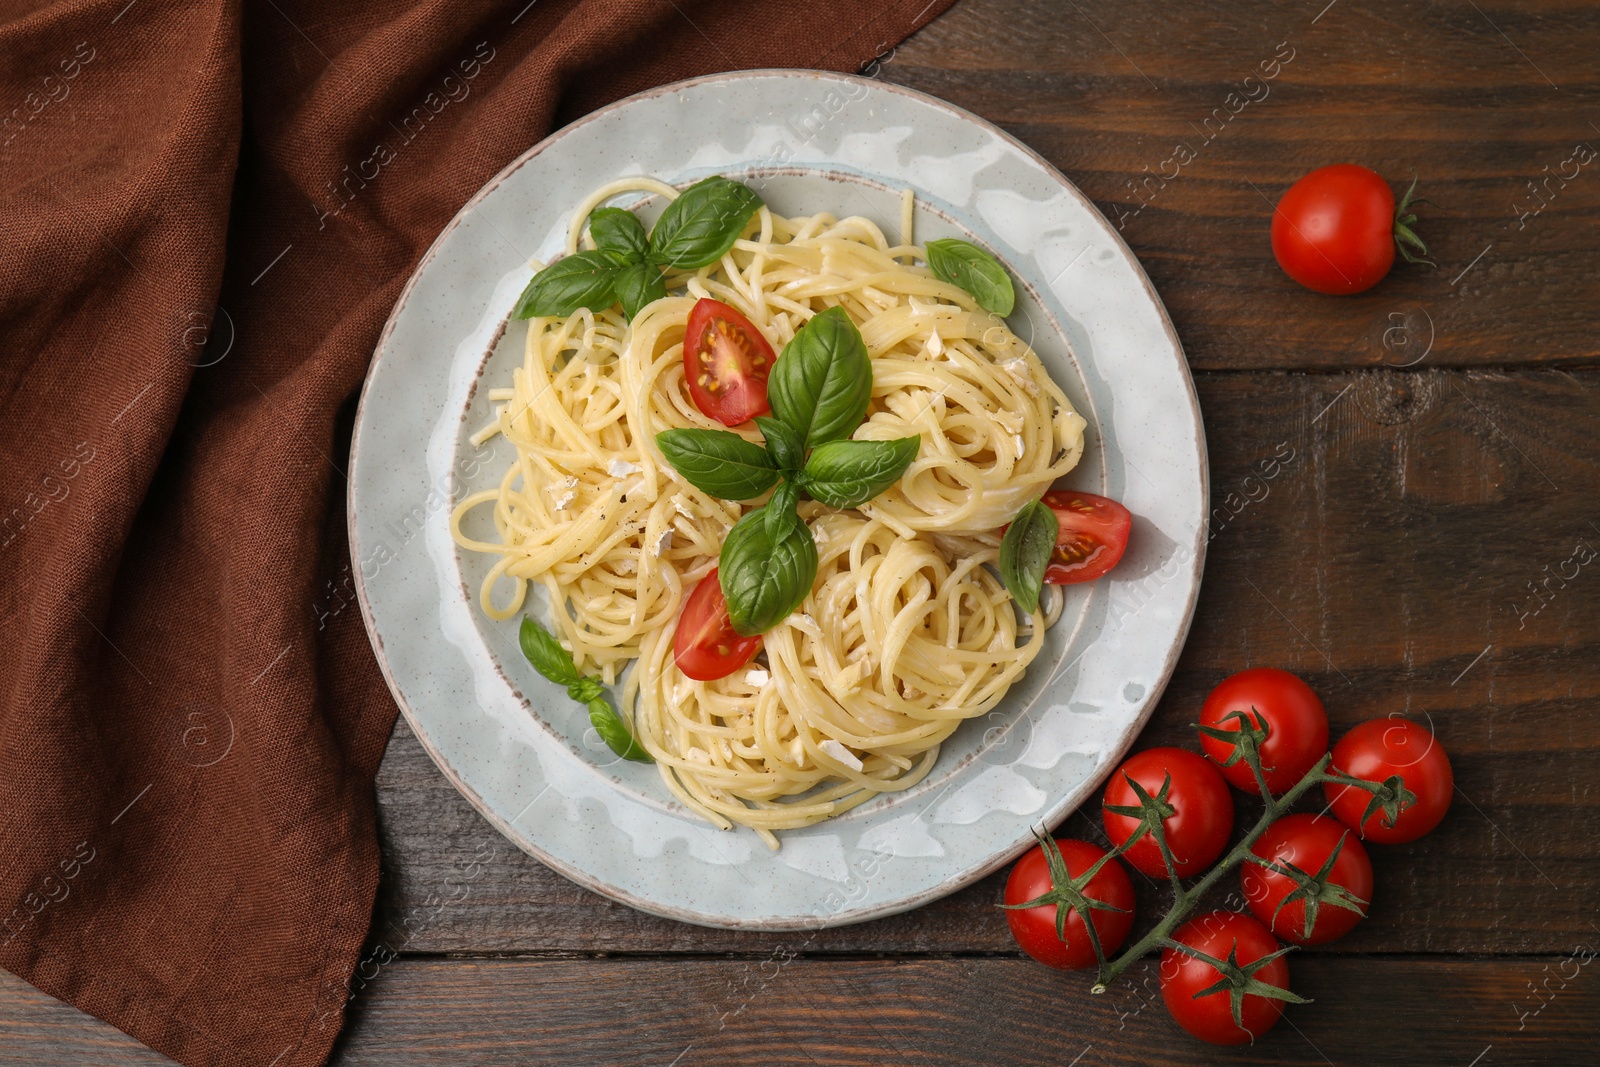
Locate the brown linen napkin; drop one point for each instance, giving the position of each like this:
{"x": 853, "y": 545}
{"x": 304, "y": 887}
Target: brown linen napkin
{"x": 206, "y": 213}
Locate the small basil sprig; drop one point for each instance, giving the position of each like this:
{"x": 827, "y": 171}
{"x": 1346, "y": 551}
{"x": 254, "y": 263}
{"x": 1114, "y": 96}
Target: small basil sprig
{"x": 964, "y": 264}
{"x": 625, "y": 265}
{"x": 1025, "y": 553}
{"x": 818, "y": 389}
{"x": 555, "y": 663}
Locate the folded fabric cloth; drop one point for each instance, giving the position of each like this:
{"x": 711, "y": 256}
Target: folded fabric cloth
{"x": 208, "y": 212}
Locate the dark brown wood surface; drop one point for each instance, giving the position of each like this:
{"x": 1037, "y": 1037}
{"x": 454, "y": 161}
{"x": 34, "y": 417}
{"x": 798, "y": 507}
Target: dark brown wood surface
{"x": 1446, "y": 438}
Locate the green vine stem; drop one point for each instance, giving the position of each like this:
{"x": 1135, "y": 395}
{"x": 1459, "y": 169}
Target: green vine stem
{"x": 1389, "y": 796}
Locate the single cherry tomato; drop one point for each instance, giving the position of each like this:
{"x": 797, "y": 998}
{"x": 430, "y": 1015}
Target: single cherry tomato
{"x": 1092, "y": 535}
{"x": 1035, "y": 928}
{"x": 1197, "y": 830}
{"x": 726, "y": 360}
{"x": 1282, "y": 704}
{"x": 706, "y": 645}
{"x": 1307, "y": 842}
{"x": 1209, "y": 1015}
{"x": 1409, "y": 761}
{"x": 1336, "y": 229}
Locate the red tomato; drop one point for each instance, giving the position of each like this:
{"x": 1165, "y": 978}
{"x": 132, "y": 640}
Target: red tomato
{"x": 726, "y": 360}
{"x": 1334, "y": 230}
{"x": 1093, "y": 535}
{"x": 1296, "y": 725}
{"x": 1035, "y": 928}
{"x": 706, "y": 645}
{"x": 1403, "y": 755}
{"x": 1209, "y": 1016}
{"x": 1306, "y": 842}
{"x": 1196, "y": 832}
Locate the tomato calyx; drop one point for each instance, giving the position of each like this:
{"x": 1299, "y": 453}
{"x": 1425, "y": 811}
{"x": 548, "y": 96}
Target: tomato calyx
{"x": 1404, "y": 220}
{"x": 1314, "y": 889}
{"x": 1247, "y": 741}
{"x": 1239, "y": 979}
{"x": 1068, "y": 893}
{"x": 1151, "y": 812}
{"x": 1389, "y": 796}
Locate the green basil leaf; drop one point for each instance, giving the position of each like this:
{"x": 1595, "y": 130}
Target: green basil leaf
{"x": 719, "y": 462}
{"x": 847, "y": 474}
{"x": 780, "y": 509}
{"x": 783, "y": 444}
{"x": 1025, "y": 553}
{"x": 546, "y": 653}
{"x": 964, "y": 264}
{"x": 822, "y": 381}
{"x": 765, "y": 575}
{"x": 617, "y": 230}
{"x": 586, "y": 689}
{"x": 581, "y": 280}
{"x": 638, "y": 285}
{"x": 701, "y": 225}
{"x": 614, "y": 732}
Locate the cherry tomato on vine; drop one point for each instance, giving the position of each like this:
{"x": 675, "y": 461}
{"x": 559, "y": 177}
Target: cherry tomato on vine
{"x": 1410, "y": 762}
{"x": 1035, "y": 928}
{"x": 1296, "y": 725}
{"x": 726, "y": 361}
{"x": 1337, "y": 228}
{"x": 1200, "y": 818}
{"x": 1091, "y": 537}
{"x": 1250, "y": 1002}
{"x": 1336, "y": 893}
{"x": 706, "y": 646}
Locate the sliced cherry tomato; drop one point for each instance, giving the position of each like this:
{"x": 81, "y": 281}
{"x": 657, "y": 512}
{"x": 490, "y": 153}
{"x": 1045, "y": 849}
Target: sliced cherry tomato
{"x": 1296, "y": 725}
{"x": 1306, "y": 842}
{"x": 1035, "y": 928}
{"x": 706, "y": 645}
{"x": 1093, "y": 535}
{"x": 1185, "y": 979}
{"x": 726, "y": 360}
{"x": 1198, "y": 830}
{"x": 1401, "y": 755}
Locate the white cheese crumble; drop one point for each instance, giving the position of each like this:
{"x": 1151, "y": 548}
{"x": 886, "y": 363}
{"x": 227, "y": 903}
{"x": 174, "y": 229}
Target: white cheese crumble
{"x": 1018, "y": 369}
{"x": 757, "y": 677}
{"x": 681, "y": 506}
{"x": 566, "y": 500}
{"x": 663, "y": 542}
{"x": 840, "y": 753}
{"x": 697, "y": 755}
{"x": 619, "y": 467}
{"x": 935, "y": 344}
{"x": 1018, "y": 439}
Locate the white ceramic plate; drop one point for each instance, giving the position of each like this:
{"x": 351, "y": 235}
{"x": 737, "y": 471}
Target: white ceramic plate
{"x": 523, "y": 753}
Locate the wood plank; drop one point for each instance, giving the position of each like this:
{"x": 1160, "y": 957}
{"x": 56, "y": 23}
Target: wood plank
{"x": 1464, "y": 95}
{"x": 703, "y": 1013}
{"x": 1388, "y": 562}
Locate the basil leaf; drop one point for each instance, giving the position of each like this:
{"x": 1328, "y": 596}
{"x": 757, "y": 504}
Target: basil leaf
{"x": 1025, "y": 553}
{"x": 964, "y": 264}
{"x": 702, "y": 224}
{"x": 766, "y": 574}
{"x": 822, "y": 381}
{"x": 639, "y": 285}
{"x": 847, "y": 474}
{"x": 586, "y": 689}
{"x": 780, "y": 509}
{"x": 546, "y": 653}
{"x": 614, "y": 732}
{"x": 620, "y": 231}
{"x": 783, "y": 444}
{"x": 581, "y": 280}
{"x": 718, "y": 462}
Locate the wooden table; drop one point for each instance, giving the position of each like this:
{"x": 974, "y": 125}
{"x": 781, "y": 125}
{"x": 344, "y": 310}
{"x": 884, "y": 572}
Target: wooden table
{"x": 1444, "y": 428}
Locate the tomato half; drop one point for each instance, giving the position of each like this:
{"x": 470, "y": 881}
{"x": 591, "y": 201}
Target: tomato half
{"x": 1296, "y": 725}
{"x": 1334, "y": 230}
{"x": 1306, "y": 841}
{"x": 726, "y": 361}
{"x": 1093, "y": 535}
{"x": 1035, "y": 928}
{"x": 1392, "y": 748}
{"x": 1197, "y": 832}
{"x": 706, "y": 646}
{"x": 1209, "y": 1016}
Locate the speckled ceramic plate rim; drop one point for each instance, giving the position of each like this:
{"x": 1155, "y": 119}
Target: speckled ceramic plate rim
{"x": 957, "y": 879}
